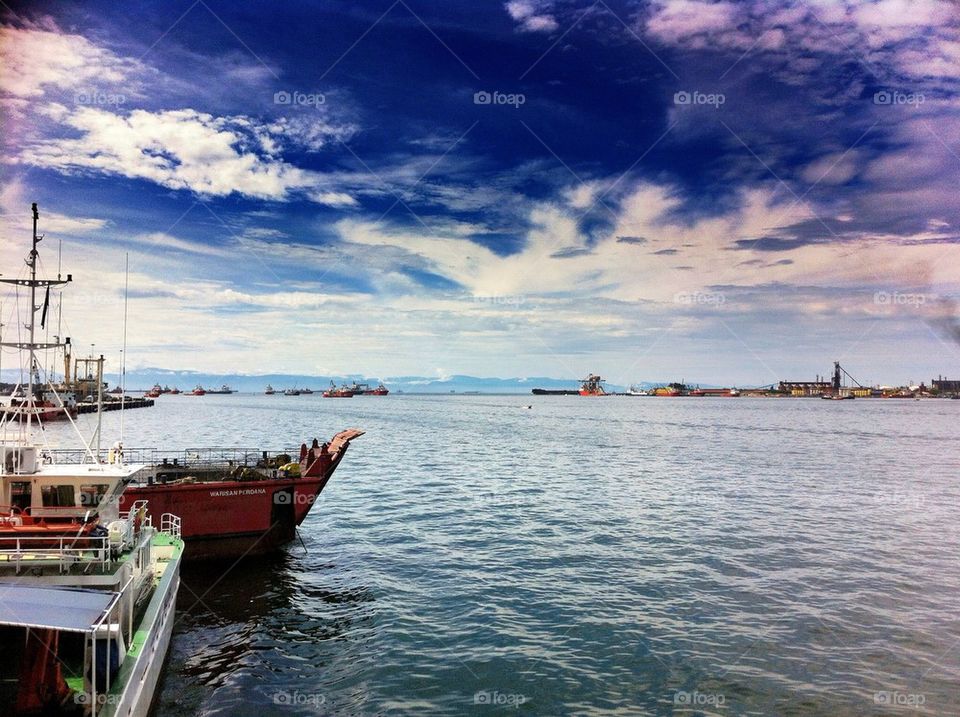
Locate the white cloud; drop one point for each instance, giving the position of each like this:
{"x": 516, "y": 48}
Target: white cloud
{"x": 832, "y": 169}
{"x": 882, "y": 34}
{"x": 179, "y": 149}
{"x": 162, "y": 240}
{"x": 40, "y": 57}
{"x": 677, "y": 21}
{"x": 532, "y": 15}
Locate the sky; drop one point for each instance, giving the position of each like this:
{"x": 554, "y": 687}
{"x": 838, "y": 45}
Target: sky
{"x": 721, "y": 192}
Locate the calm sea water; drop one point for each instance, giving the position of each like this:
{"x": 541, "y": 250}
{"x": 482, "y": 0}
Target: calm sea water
{"x": 585, "y": 556}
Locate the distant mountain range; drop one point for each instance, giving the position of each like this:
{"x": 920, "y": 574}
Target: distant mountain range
{"x": 143, "y": 379}
{"x": 186, "y": 380}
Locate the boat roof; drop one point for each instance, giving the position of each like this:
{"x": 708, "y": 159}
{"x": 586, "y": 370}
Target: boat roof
{"x": 65, "y": 609}
{"x": 111, "y": 471}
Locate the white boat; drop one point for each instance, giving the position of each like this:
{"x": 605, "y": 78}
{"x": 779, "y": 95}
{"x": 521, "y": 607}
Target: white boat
{"x": 634, "y": 391}
{"x": 88, "y": 593}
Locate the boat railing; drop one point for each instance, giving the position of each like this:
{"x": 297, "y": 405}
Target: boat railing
{"x": 231, "y": 457}
{"x": 170, "y": 524}
{"x": 66, "y": 551}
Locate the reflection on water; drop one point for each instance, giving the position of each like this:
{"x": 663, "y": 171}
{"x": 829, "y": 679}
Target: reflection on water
{"x": 258, "y": 617}
{"x": 606, "y": 556}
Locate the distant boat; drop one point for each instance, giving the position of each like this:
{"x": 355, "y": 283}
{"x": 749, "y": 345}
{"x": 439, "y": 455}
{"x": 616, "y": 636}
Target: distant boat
{"x": 334, "y": 392}
{"x": 222, "y": 390}
{"x": 198, "y": 391}
{"x": 175, "y": 391}
{"x": 269, "y": 391}
{"x": 155, "y": 391}
{"x": 306, "y": 391}
{"x": 116, "y": 391}
{"x": 634, "y": 391}
{"x": 592, "y": 385}
{"x": 363, "y": 389}
{"x": 291, "y": 392}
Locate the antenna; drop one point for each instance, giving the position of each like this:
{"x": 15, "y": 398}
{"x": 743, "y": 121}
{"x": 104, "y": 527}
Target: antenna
{"x": 123, "y": 351}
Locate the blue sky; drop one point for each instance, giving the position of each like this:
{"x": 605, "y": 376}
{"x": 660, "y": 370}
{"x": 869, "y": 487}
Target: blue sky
{"x": 715, "y": 191}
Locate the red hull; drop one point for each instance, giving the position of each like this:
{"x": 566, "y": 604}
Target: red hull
{"x": 232, "y": 518}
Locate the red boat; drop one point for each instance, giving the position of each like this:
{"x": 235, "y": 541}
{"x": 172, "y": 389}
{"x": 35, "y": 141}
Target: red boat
{"x": 334, "y": 392}
{"x": 198, "y": 391}
{"x": 232, "y": 510}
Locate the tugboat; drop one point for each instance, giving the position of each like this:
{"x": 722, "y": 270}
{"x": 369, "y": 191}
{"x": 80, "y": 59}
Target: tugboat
{"x": 175, "y": 391}
{"x": 269, "y": 391}
{"x": 292, "y": 392}
{"x": 154, "y": 392}
{"x": 198, "y": 391}
{"x": 306, "y": 391}
{"x": 88, "y": 592}
{"x": 592, "y": 385}
{"x": 380, "y": 390}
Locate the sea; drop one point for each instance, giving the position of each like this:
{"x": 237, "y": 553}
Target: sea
{"x": 566, "y": 555}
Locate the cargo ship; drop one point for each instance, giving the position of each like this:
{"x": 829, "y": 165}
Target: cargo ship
{"x": 363, "y": 389}
{"x": 224, "y": 389}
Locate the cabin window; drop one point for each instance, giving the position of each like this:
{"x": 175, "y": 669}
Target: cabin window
{"x": 20, "y": 494}
{"x": 91, "y": 495}
{"x": 58, "y": 496}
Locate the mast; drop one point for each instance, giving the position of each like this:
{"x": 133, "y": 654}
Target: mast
{"x": 31, "y": 345}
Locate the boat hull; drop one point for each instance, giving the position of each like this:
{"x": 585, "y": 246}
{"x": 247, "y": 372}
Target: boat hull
{"x": 232, "y": 518}
{"x": 235, "y": 518}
